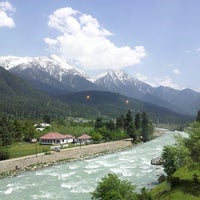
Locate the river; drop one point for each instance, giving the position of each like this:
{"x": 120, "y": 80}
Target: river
{"x": 75, "y": 180}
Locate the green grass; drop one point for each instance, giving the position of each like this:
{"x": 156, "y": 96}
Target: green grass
{"x": 185, "y": 189}
{"x": 24, "y": 149}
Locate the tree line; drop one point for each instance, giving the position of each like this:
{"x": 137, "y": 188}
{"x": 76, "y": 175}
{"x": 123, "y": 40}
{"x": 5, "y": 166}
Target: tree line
{"x": 137, "y": 127}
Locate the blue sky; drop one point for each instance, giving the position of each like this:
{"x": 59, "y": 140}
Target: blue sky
{"x": 156, "y": 41}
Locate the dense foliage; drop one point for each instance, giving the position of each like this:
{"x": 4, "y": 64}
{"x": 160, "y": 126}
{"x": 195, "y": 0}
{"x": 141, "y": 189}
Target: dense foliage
{"x": 17, "y": 131}
{"x": 125, "y": 127}
{"x": 186, "y": 151}
{"x": 111, "y": 187}
{"x": 182, "y": 164}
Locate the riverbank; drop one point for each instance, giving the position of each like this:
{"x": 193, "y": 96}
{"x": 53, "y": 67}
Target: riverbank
{"x": 15, "y": 166}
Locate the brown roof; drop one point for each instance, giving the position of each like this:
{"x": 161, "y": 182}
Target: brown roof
{"x": 84, "y": 136}
{"x": 55, "y": 135}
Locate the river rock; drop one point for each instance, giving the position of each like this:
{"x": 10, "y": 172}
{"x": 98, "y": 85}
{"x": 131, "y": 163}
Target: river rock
{"x": 157, "y": 161}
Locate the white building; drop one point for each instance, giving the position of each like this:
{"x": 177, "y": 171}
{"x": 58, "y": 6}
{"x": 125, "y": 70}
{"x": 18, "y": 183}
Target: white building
{"x": 56, "y": 138}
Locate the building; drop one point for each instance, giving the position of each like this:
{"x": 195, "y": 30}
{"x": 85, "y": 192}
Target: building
{"x": 84, "y": 139}
{"x": 41, "y": 126}
{"x": 56, "y": 138}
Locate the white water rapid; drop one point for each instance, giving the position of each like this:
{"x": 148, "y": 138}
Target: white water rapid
{"x": 75, "y": 180}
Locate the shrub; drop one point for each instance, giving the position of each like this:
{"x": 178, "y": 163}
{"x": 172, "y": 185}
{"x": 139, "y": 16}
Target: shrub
{"x": 111, "y": 187}
{"x": 4, "y": 154}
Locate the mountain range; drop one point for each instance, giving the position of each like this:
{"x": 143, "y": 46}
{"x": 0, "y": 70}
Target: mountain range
{"x": 56, "y": 77}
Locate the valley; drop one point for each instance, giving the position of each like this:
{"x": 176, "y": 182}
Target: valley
{"x": 57, "y": 88}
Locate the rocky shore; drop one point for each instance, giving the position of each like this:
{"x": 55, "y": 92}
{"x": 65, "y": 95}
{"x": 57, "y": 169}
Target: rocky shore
{"x": 13, "y": 167}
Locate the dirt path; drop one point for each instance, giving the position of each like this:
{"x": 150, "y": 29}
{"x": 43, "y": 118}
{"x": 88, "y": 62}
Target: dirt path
{"x": 8, "y": 167}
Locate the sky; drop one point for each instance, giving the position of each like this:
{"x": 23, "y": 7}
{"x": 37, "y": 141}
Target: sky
{"x": 156, "y": 41}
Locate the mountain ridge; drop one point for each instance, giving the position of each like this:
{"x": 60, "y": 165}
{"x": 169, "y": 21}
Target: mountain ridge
{"x": 20, "y": 99}
{"x": 56, "y": 77}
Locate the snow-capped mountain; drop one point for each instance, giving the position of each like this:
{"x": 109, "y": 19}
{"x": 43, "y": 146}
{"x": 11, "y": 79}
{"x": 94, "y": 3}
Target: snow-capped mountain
{"x": 50, "y": 74}
{"x": 121, "y": 82}
{"x": 56, "y": 77}
{"x": 54, "y": 65}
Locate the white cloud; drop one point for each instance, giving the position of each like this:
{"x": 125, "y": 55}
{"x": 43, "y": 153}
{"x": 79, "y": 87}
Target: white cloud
{"x": 5, "y": 19}
{"x": 167, "y": 82}
{"x": 50, "y": 42}
{"x": 141, "y": 77}
{"x": 82, "y": 39}
{"x": 176, "y": 71}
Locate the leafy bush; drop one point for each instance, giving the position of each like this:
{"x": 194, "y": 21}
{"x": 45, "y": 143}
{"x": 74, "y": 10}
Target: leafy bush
{"x": 4, "y": 154}
{"x": 111, "y": 188}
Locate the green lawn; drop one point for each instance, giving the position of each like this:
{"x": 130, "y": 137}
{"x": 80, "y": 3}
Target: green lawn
{"x": 24, "y": 149}
{"x": 185, "y": 189}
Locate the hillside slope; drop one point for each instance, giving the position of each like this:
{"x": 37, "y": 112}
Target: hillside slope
{"x": 113, "y": 104}
{"x": 20, "y": 99}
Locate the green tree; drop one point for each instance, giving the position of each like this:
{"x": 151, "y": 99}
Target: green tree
{"x": 96, "y": 136}
{"x": 28, "y": 130}
{"x": 18, "y": 133}
{"x": 99, "y": 123}
{"x": 47, "y": 119}
{"x": 137, "y": 121}
{"x": 146, "y": 127}
{"x": 168, "y": 156}
{"x": 131, "y": 131}
{"x": 112, "y": 188}
{"x": 110, "y": 125}
{"x": 128, "y": 119}
{"x": 193, "y": 143}
{"x": 120, "y": 122}
{"x": 6, "y": 130}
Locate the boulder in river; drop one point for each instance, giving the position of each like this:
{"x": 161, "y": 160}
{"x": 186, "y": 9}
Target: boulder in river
{"x": 157, "y": 161}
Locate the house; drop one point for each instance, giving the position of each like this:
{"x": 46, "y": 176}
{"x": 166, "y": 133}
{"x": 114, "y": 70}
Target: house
{"x": 83, "y": 139}
{"x": 56, "y": 138}
{"x": 41, "y": 126}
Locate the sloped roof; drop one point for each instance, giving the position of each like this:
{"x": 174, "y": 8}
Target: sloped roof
{"x": 69, "y": 136}
{"x": 53, "y": 136}
{"x": 84, "y": 137}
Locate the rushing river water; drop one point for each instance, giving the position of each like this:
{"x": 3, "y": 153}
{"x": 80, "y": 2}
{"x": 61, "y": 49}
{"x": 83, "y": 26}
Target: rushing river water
{"x": 75, "y": 180}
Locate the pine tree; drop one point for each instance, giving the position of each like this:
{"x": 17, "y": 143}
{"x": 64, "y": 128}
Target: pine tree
{"x": 137, "y": 121}
{"x": 120, "y": 121}
{"x": 128, "y": 119}
{"x": 6, "y": 130}
{"x": 98, "y": 123}
{"x": 131, "y": 131}
{"x": 145, "y": 129}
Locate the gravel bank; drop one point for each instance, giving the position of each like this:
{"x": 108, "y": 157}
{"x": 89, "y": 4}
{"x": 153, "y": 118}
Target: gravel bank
{"x": 12, "y": 167}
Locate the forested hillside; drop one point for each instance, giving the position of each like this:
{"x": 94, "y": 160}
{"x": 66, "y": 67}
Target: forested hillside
{"x": 112, "y": 104}
{"x": 20, "y": 99}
